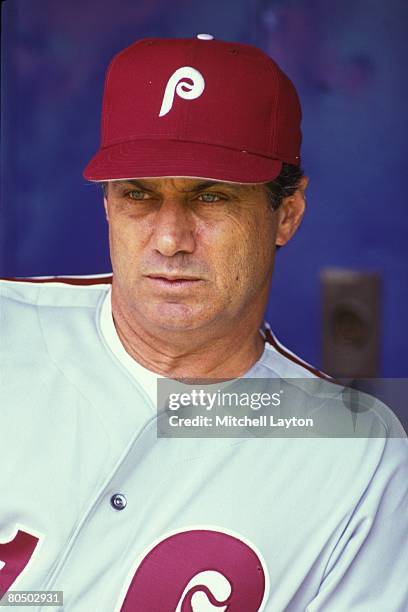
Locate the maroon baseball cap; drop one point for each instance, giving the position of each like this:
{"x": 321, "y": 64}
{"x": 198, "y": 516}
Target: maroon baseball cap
{"x": 196, "y": 108}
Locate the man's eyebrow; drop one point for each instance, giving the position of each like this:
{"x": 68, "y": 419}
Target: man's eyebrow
{"x": 139, "y": 184}
{"x": 234, "y": 187}
{"x": 205, "y": 185}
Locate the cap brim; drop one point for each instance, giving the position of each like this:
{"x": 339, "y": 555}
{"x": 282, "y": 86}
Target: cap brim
{"x": 163, "y": 158}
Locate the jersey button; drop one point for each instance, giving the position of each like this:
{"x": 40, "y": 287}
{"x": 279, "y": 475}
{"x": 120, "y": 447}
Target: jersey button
{"x": 118, "y": 501}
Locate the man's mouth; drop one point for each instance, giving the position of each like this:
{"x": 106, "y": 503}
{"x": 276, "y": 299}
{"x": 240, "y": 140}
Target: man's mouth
{"x": 173, "y": 281}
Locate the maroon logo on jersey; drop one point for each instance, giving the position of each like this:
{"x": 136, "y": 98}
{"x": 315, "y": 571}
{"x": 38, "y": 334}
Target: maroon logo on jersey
{"x": 14, "y": 556}
{"x": 198, "y": 571}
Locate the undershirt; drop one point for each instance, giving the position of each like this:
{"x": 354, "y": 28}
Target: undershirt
{"x": 146, "y": 378}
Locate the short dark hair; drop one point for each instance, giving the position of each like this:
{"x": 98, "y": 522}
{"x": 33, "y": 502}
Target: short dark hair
{"x": 283, "y": 186}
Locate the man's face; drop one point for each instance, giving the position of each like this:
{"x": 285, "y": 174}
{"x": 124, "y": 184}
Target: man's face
{"x": 190, "y": 253}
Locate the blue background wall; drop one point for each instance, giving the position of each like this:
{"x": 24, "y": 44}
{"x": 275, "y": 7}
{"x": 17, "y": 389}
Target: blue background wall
{"x": 348, "y": 61}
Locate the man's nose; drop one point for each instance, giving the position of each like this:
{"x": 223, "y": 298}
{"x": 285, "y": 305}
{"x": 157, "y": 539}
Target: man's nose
{"x": 173, "y": 228}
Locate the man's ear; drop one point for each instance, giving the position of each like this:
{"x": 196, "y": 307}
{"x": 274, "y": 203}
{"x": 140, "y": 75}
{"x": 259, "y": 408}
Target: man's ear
{"x": 290, "y": 213}
{"x": 105, "y": 205}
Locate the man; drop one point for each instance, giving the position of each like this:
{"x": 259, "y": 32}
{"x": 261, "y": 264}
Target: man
{"x": 199, "y": 164}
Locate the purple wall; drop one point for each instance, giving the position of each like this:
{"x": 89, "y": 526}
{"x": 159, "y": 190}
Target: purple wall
{"x": 348, "y": 62}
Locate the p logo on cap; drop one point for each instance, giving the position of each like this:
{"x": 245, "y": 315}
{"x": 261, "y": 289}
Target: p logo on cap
{"x": 184, "y": 89}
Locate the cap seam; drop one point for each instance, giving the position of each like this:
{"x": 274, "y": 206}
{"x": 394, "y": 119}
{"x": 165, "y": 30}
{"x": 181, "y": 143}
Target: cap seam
{"x": 211, "y": 143}
{"x": 273, "y": 118}
{"x": 185, "y": 110}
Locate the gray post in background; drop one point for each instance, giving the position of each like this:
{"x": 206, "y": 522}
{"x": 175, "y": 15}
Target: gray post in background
{"x": 351, "y": 323}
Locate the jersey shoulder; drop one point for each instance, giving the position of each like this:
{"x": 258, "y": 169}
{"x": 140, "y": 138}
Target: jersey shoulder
{"x": 62, "y": 291}
{"x": 34, "y": 309}
{"x": 340, "y": 410}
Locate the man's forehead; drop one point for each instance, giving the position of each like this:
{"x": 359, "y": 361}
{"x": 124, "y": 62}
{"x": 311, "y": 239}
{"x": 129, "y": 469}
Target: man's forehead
{"x": 181, "y": 183}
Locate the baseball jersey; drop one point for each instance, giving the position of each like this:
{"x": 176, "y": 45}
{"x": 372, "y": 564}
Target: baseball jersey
{"x": 93, "y": 503}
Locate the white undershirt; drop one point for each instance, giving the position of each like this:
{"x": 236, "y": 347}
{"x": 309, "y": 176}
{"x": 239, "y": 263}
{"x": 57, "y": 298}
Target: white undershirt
{"x": 146, "y": 378}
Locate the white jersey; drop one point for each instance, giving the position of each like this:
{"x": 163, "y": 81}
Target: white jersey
{"x": 94, "y": 504}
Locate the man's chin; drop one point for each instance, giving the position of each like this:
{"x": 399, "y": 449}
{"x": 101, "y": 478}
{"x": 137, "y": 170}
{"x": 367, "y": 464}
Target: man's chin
{"x": 176, "y": 317}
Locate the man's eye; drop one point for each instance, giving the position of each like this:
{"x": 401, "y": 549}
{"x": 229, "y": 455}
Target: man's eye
{"x": 136, "y": 194}
{"x": 209, "y": 198}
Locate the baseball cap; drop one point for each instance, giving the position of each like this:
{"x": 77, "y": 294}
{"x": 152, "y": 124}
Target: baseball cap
{"x": 196, "y": 108}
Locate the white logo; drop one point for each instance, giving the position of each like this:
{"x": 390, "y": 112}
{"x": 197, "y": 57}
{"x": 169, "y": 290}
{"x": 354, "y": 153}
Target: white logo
{"x": 184, "y": 89}
{"x": 216, "y": 583}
